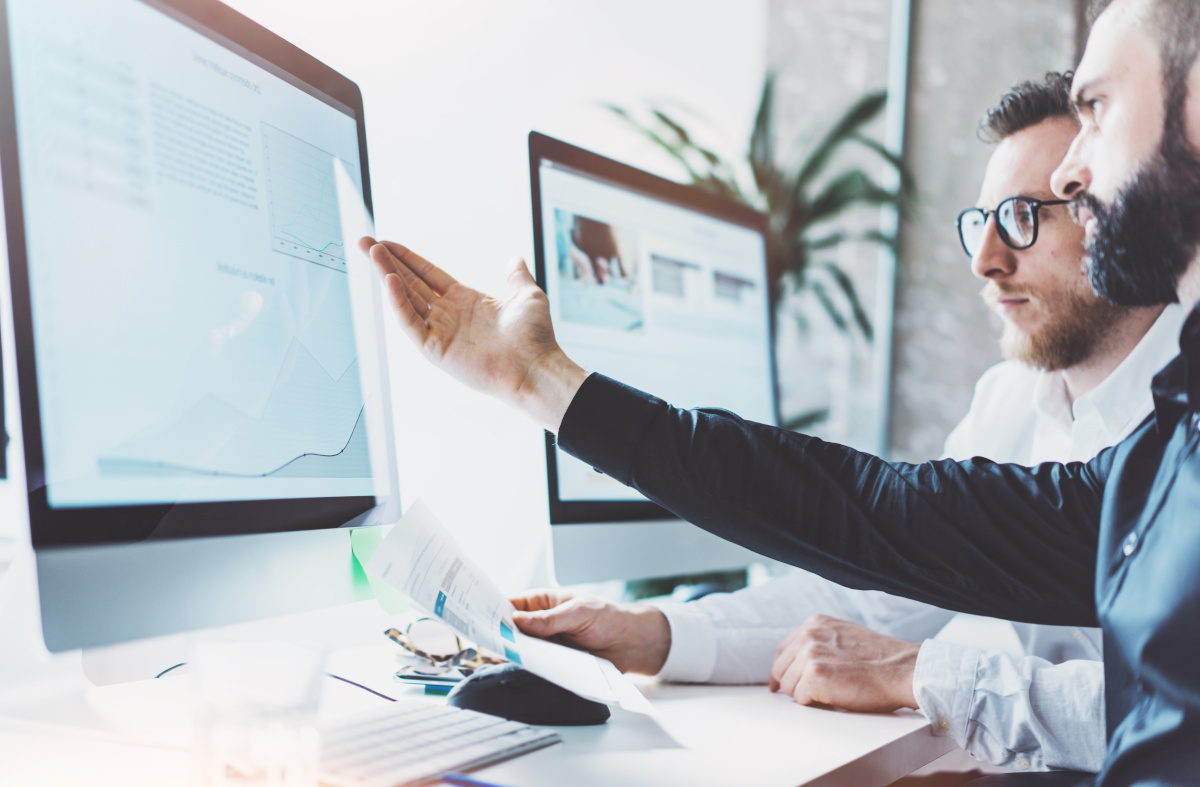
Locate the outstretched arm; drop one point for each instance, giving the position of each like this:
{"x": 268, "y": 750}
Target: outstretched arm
{"x": 996, "y": 540}
{"x": 504, "y": 348}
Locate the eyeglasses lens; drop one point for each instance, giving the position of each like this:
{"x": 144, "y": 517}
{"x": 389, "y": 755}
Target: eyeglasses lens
{"x": 970, "y": 227}
{"x": 1017, "y": 218}
{"x": 433, "y": 639}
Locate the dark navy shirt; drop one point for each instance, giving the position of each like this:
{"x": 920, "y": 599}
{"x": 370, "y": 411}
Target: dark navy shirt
{"x": 1113, "y": 542}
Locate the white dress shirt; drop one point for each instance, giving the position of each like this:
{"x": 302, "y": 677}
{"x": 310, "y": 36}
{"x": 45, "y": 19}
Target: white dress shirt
{"x": 1044, "y": 711}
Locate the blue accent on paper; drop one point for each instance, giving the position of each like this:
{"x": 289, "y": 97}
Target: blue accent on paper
{"x": 506, "y": 632}
{"x": 512, "y": 655}
{"x": 440, "y": 606}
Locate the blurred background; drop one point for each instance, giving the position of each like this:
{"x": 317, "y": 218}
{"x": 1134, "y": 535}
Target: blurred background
{"x": 452, "y": 88}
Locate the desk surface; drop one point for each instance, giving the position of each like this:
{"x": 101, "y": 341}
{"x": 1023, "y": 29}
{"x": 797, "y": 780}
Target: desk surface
{"x": 723, "y": 735}
{"x": 701, "y": 735}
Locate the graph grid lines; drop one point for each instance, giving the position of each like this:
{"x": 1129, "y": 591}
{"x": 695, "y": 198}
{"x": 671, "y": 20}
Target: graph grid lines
{"x": 305, "y": 220}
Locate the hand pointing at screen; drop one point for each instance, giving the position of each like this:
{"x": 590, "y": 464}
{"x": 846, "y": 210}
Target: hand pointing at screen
{"x": 502, "y": 347}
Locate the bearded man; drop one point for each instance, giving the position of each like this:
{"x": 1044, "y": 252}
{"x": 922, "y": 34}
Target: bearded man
{"x": 1114, "y": 540}
{"x": 1077, "y": 380}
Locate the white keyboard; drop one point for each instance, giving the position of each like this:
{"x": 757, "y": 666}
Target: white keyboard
{"x": 415, "y": 742}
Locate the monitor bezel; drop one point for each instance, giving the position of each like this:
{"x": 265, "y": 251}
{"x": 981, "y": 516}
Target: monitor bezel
{"x": 543, "y": 148}
{"x": 92, "y": 525}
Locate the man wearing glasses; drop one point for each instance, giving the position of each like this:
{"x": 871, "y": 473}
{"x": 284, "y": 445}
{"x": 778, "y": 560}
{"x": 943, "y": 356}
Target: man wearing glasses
{"x": 1113, "y": 541}
{"x": 1077, "y": 380}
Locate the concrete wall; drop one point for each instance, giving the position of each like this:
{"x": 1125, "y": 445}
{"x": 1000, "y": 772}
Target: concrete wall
{"x": 966, "y": 53}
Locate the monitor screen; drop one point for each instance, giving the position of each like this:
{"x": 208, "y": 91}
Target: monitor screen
{"x": 186, "y": 308}
{"x": 654, "y": 284}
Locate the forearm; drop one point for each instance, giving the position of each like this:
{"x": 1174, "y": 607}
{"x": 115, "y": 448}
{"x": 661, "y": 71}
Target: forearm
{"x": 1026, "y": 714}
{"x": 997, "y": 540}
{"x": 732, "y": 637}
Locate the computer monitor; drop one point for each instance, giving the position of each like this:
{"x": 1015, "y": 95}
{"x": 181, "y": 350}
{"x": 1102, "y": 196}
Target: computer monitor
{"x": 202, "y": 384}
{"x": 664, "y": 287}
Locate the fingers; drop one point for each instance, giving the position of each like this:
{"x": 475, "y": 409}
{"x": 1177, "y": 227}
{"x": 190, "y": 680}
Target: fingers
{"x": 535, "y": 600}
{"x": 518, "y": 275}
{"x": 433, "y": 276}
{"x": 419, "y": 293}
{"x": 411, "y": 322}
{"x": 562, "y": 619}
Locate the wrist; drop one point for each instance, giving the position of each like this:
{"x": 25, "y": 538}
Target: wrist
{"x": 551, "y": 384}
{"x": 650, "y": 639}
{"x": 906, "y": 666}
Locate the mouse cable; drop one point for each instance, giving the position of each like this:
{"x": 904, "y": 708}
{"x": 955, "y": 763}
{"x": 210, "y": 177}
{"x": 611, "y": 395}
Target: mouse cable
{"x": 364, "y": 688}
{"x": 168, "y": 669}
{"x": 328, "y": 674}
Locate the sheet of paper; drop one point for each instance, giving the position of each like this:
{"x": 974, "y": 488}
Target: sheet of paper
{"x": 423, "y": 561}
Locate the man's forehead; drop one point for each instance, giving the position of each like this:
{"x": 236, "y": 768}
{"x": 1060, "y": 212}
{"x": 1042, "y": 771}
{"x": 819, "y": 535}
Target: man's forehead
{"x": 1117, "y": 43}
{"x": 1021, "y": 165}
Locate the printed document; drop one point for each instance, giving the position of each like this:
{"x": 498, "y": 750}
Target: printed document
{"x": 423, "y": 561}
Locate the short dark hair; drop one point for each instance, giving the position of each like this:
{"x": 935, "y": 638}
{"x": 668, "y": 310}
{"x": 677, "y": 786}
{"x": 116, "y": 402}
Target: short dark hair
{"x": 1028, "y": 104}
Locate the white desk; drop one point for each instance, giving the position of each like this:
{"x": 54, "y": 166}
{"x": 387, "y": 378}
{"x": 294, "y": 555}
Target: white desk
{"x": 703, "y": 735}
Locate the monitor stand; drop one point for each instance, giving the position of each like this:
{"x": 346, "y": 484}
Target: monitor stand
{"x": 27, "y": 667}
{"x": 25, "y": 663}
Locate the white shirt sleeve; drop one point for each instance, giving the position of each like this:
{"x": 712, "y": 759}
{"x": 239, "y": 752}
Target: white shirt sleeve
{"x": 1026, "y": 714}
{"x": 732, "y": 637}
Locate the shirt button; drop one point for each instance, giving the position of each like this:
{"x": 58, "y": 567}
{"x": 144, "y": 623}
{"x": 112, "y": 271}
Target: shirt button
{"x": 1079, "y": 635}
{"x": 1131, "y": 544}
{"x": 943, "y": 724}
{"x": 1022, "y": 763}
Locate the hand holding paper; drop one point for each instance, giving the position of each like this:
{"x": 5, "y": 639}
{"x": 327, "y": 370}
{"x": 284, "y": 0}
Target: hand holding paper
{"x": 635, "y": 638}
{"x": 423, "y": 561}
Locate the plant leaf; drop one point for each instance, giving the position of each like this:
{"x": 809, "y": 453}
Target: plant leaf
{"x": 762, "y": 141}
{"x": 679, "y": 131}
{"x": 848, "y": 190}
{"x": 907, "y": 184}
{"x": 674, "y": 150}
{"x": 831, "y": 308}
{"x": 868, "y": 236}
{"x": 806, "y": 420}
{"x": 846, "y": 285}
{"x": 858, "y": 115}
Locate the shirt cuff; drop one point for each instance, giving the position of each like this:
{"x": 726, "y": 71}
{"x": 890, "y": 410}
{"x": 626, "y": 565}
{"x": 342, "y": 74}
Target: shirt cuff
{"x": 693, "y": 654}
{"x": 605, "y": 423}
{"x": 943, "y": 683}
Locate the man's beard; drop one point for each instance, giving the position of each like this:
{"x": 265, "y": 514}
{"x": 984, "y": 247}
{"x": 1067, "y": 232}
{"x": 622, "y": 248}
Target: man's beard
{"x": 1077, "y": 325}
{"x": 1145, "y": 240}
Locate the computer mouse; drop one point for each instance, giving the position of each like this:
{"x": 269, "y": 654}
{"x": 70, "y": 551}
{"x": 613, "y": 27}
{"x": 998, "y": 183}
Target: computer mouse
{"x": 516, "y": 694}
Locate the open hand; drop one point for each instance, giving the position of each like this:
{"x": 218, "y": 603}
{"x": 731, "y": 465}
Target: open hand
{"x": 835, "y": 662}
{"x": 504, "y": 348}
{"x": 634, "y": 637}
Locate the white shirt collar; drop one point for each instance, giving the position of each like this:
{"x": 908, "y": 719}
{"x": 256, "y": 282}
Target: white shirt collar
{"x": 1121, "y": 396}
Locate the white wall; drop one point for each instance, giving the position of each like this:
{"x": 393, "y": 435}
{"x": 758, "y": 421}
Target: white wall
{"x": 451, "y": 90}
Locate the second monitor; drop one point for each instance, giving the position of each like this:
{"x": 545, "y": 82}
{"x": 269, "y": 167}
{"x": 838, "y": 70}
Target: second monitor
{"x": 664, "y": 287}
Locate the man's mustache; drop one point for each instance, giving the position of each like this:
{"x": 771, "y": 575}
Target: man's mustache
{"x": 1082, "y": 200}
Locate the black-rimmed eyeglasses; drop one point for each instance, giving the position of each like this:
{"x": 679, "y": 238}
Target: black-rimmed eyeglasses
{"x": 1016, "y": 221}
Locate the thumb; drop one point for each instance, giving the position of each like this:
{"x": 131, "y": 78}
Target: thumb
{"x": 518, "y": 274}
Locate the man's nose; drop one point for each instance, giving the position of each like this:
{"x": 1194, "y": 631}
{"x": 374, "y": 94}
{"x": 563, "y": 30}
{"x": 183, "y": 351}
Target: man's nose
{"x": 995, "y": 258}
{"x": 1072, "y": 176}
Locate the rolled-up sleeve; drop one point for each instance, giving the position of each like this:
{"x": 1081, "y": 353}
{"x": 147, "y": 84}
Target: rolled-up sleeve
{"x": 1022, "y": 713}
{"x": 732, "y": 637}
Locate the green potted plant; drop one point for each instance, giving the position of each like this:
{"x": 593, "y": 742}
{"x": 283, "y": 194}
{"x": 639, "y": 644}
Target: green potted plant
{"x": 803, "y": 196}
